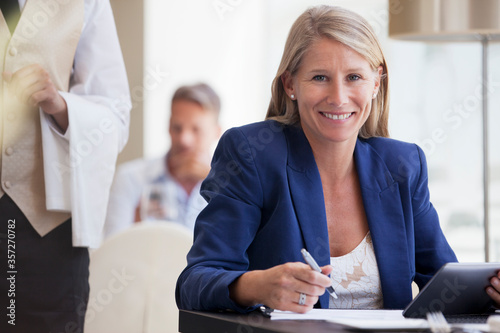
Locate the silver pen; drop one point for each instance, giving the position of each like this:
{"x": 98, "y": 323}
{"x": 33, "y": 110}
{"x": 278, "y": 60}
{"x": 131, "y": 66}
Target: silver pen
{"x": 314, "y": 265}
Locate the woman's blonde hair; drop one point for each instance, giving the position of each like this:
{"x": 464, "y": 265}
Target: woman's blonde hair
{"x": 347, "y": 28}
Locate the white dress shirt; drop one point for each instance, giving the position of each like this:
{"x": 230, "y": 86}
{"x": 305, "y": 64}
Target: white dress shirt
{"x": 79, "y": 164}
{"x": 132, "y": 178}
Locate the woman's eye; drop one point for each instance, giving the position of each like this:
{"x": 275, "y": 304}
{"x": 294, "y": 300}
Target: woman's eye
{"x": 353, "y": 77}
{"x": 319, "y": 78}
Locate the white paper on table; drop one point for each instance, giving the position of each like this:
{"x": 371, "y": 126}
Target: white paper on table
{"x": 360, "y": 319}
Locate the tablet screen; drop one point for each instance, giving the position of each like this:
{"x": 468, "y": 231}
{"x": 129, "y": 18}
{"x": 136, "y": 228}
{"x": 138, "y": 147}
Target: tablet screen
{"x": 456, "y": 289}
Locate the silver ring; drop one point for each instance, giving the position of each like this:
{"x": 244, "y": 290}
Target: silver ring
{"x": 302, "y": 299}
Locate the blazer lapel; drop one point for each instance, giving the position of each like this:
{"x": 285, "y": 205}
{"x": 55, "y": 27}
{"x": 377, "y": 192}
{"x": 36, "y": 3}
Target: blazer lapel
{"x": 307, "y": 198}
{"x": 384, "y": 211}
{"x": 383, "y": 207}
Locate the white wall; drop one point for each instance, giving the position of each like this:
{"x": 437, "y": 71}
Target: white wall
{"x": 194, "y": 41}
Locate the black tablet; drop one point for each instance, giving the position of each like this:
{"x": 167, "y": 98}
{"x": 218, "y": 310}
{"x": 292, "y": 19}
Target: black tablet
{"x": 456, "y": 289}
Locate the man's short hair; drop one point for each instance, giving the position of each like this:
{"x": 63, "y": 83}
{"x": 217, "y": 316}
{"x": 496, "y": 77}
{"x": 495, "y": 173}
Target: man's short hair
{"x": 201, "y": 94}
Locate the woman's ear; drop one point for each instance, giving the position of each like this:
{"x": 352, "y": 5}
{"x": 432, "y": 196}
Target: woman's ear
{"x": 287, "y": 81}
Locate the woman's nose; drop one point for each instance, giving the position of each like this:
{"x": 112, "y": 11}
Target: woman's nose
{"x": 337, "y": 94}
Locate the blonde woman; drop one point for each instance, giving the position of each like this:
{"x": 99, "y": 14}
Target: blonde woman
{"x": 321, "y": 174}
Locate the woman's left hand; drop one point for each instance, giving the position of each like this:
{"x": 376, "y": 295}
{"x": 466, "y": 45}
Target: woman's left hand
{"x": 494, "y": 290}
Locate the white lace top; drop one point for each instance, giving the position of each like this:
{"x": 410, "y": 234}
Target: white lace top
{"x": 356, "y": 279}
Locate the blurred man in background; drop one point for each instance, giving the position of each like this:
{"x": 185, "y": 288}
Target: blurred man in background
{"x": 168, "y": 188}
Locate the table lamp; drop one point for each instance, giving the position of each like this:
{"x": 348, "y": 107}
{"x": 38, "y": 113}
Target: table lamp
{"x": 453, "y": 21}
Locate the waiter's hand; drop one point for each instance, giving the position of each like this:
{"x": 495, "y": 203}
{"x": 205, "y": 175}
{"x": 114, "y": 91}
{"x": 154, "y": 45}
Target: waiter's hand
{"x": 494, "y": 290}
{"x": 32, "y": 86}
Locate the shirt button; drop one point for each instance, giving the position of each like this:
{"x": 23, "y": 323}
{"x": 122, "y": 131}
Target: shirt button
{"x": 13, "y": 51}
{"x": 7, "y": 184}
{"x": 9, "y": 151}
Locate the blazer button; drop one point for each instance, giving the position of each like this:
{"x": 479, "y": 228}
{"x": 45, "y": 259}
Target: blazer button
{"x": 7, "y": 184}
{"x": 13, "y": 51}
{"x": 9, "y": 151}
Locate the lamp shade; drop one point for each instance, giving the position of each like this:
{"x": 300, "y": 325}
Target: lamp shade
{"x": 444, "y": 20}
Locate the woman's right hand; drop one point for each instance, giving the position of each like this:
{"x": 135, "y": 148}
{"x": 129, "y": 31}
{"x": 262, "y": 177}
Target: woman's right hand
{"x": 280, "y": 287}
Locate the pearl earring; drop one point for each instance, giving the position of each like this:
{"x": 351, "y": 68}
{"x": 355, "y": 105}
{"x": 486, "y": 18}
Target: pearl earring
{"x": 292, "y": 96}
{"x": 374, "y": 95}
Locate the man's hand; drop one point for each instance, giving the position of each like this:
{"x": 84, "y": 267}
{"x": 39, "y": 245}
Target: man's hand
{"x": 32, "y": 86}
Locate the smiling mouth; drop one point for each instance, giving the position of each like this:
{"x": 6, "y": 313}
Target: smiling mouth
{"x": 337, "y": 116}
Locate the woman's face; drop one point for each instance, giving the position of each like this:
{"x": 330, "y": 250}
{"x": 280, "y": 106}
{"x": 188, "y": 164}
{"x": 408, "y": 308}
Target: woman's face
{"x": 334, "y": 88}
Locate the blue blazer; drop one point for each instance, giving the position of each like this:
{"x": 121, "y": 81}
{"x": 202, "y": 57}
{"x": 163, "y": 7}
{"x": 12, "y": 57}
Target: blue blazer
{"x": 266, "y": 203}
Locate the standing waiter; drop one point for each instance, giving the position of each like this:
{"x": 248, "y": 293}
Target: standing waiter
{"x": 64, "y": 114}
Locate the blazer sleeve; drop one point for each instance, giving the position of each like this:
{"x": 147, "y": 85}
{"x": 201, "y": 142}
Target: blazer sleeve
{"x": 431, "y": 247}
{"x": 224, "y": 229}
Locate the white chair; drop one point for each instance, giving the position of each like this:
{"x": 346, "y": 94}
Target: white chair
{"x": 132, "y": 279}
{"x": 414, "y": 289}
